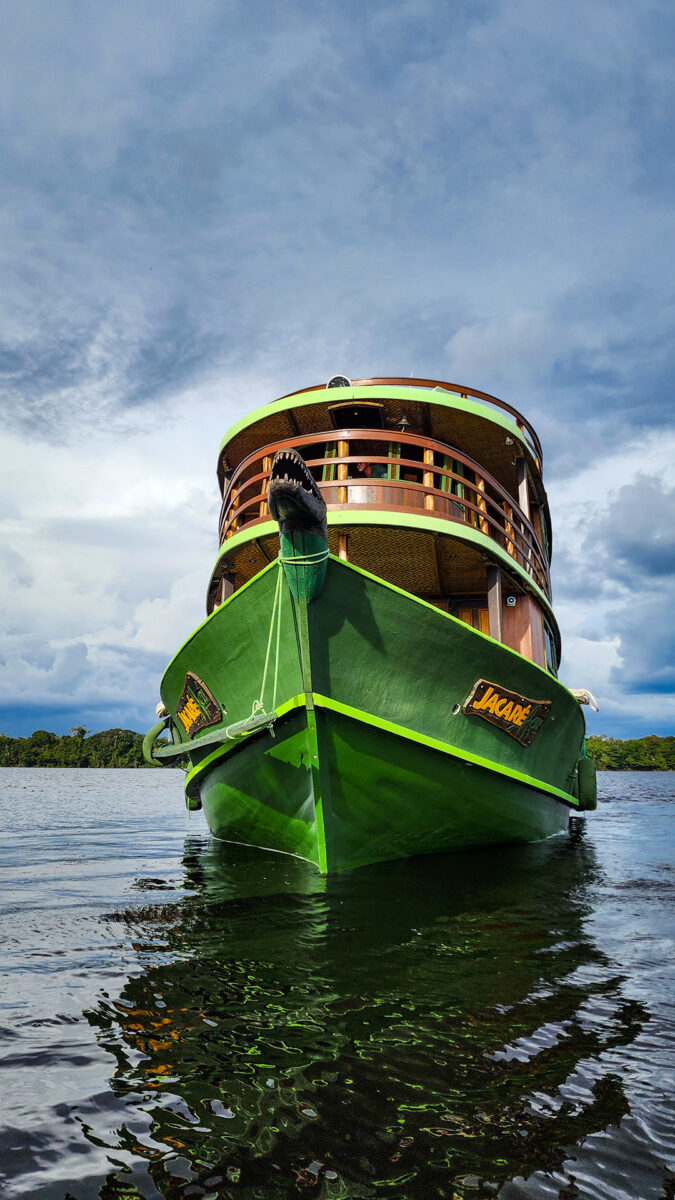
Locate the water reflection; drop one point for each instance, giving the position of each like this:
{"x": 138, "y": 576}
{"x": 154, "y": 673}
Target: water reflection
{"x": 413, "y": 1029}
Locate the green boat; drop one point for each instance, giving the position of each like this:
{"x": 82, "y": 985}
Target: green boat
{"x": 377, "y": 673}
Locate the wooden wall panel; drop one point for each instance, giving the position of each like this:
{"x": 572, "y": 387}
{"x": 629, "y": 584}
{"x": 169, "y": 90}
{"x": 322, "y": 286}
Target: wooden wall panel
{"x": 524, "y": 629}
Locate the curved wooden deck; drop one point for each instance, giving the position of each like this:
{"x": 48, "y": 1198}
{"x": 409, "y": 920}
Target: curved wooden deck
{"x": 462, "y": 493}
{"x": 439, "y": 385}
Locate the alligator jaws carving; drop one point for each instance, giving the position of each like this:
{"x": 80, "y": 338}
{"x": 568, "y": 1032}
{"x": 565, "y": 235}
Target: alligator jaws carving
{"x": 294, "y": 498}
{"x": 298, "y": 507}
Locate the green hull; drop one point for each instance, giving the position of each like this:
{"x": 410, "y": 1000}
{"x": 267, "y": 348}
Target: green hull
{"x": 371, "y": 756}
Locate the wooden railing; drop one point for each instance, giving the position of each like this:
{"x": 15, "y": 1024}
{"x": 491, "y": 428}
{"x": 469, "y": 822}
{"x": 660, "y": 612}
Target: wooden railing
{"x": 463, "y": 493}
{"x": 456, "y": 389}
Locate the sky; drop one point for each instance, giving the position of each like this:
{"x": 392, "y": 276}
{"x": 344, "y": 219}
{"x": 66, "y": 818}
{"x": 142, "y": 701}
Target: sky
{"x": 205, "y": 206}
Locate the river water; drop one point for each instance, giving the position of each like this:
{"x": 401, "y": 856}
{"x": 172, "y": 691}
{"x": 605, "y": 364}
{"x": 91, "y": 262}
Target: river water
{"x": 183, "y": 1019}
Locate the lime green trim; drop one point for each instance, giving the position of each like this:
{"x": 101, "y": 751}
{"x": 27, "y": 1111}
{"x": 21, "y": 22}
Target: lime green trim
{"x": 412, "y": 395}
{"x": 409, "y": 596}
{"x": 313, "y": 747}
{"x": 358, "y": 714}
{"x": 417, "y": 600}
{"x": 196, "y": 772}
{"x": 244, "y": 586}
{"x": 465, "y": 533}
{"x": 245, "y": 535}
{"x": 449, "y": 617}
{"x": 378, "y": 517}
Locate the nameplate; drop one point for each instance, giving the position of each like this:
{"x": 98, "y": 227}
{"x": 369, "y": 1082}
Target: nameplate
{"x": 197, "y": 707}
{"x": 517, "y": 715}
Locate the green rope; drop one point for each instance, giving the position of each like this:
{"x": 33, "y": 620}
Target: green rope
{"x": 305, "y": 560}
{"x": 276, "y": 656}
{"x": 259, "y": 705}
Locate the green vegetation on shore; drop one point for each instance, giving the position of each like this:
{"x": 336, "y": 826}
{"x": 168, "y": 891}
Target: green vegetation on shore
{"x": 650, "y": 753}
{"x": 111, "y": 748}
{"x": 123, "y": 748}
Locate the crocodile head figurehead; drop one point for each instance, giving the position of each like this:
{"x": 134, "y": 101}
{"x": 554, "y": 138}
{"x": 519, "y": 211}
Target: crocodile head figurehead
{"x": 294, "y": 498}
{"x": 299, "y": 509}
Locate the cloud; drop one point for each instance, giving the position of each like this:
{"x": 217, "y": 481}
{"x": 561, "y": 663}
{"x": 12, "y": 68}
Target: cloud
{"x": 208, "y": 207}
{"x": 636, "y": 533}
{"x": 324, "y": 185}
{"x": 615, "y": 577}
{"x": 647, "y": 645}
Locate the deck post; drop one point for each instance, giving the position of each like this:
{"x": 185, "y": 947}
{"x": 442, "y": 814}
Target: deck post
{"x": 494, "y": 597}
{"x": 225, "y": 588}
{"x": 428, "y": 479}
{"x": 343, "y": 471}
{"x": 523, "y": 490}
{"x": 267, "y": 467}
{"x": 480, "y": 501}
{"x": 524, "y": 504}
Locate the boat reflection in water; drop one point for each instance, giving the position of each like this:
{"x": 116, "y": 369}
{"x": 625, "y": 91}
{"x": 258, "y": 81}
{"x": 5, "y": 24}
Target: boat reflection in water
{"x": 418, "y": 1028}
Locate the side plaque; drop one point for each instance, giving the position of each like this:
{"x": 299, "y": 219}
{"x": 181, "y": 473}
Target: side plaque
{"x": 518, "y": 716}
{"x": 197, "y": 706}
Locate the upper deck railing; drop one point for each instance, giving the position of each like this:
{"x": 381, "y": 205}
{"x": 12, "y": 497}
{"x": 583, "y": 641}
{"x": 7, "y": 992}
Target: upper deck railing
{"x": 422, "y": 474}
{"x": 456, "y": 389}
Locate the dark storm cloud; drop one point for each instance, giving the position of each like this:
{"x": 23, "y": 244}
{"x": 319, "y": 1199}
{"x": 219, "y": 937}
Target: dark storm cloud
{"x": 627, "y": 564}
{"x": 637, "y": 543}
{"x": 647, "y": 643}
{"x": 635, "y": 537}
{"x": 195, "y": 188}
{"x": 237, "y": 200}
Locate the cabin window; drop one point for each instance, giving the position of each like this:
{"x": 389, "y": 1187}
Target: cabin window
{"x": 551, "y": 662}
{"x": 353, "y": 415}
{"x": 473, "y": 612}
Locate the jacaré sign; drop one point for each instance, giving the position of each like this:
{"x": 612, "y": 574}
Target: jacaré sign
{"x": 517, "y": 715}
{"x": 197, "y": 707}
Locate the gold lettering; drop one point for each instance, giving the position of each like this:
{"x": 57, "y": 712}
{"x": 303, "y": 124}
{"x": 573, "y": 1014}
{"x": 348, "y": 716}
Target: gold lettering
{"x": 189, "y": 714}
{"x": 508, "y": 711}
{"x": 520, "y": 713}
{"x": 500, "y": 706}
{"x": 492, "y": 702}
{"x": 484, "y": 702}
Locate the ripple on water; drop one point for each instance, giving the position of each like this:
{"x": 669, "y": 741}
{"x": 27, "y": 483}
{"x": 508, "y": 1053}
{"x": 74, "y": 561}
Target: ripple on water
{"x": 179, "y": 1019}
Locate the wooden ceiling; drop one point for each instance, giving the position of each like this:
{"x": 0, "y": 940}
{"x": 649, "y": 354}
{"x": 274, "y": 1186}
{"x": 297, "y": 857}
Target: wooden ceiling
{"x": 425, "y": 563}
{"x": 472, "y": 434}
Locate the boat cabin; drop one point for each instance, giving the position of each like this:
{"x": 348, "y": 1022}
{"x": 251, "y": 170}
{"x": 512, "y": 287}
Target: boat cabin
{"x": 433, "y": 487}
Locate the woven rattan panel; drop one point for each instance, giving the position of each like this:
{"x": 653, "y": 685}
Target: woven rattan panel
{"x": 248, "y": 559}
{"x": 408, "y": 558}
{"x": 402, "y": 556}
{"x": 275, "y": 428}
{"x": 462, "y": 566}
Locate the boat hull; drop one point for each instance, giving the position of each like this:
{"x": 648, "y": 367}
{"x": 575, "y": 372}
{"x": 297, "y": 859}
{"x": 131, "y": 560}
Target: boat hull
{"x": 376, "y": 796}
{"x": 372, "y": 755}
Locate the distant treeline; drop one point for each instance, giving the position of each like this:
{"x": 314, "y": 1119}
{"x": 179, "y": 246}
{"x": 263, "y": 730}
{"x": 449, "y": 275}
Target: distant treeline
{"x": 111, "y": 748}
{"x": 650, "y": 753}
{"x": 123, "y": 748}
